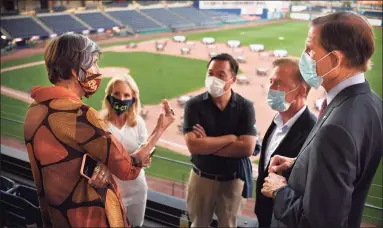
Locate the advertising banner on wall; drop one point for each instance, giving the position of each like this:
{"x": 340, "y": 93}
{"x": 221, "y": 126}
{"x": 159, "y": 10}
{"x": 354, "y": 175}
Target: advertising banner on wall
{"x": 248, "y": 7}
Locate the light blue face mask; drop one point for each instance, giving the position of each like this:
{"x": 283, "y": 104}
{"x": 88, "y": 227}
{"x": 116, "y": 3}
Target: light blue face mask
{"x": 277, "y": 100}
{"x": 307, "y": 67}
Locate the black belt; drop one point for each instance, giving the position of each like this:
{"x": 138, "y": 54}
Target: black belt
{"x": 215, "y": 177}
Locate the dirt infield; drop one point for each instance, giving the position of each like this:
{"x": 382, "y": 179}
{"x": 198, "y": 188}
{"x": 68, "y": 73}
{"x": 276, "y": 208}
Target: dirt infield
{"x": 109, "y": 72}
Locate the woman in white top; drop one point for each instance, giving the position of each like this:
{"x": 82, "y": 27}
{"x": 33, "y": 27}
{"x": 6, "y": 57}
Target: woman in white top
{"x": 121, "y": 108}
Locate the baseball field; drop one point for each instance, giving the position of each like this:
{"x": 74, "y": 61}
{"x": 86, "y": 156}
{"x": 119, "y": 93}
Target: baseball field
{"x": 170, "y": 74}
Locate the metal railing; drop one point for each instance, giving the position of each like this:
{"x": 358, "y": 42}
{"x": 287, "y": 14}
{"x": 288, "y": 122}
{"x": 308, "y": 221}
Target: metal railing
{"x": 170, "y": 176}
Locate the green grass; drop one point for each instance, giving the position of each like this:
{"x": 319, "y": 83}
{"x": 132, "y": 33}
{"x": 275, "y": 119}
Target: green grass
{"x": 375, "y": 216}
{"x": 12, "y": 112}
{"x": 24, "y": 78}
{"x": 40, "y": 56}
{"x": 29, "y": 59}
{"x": 167, "y": 169}
{"x": 294, "y": 32}
{"x": 158, "y": 76}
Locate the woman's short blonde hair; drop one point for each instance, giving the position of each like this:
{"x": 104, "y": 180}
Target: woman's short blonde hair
{"x": 133, "y": 111}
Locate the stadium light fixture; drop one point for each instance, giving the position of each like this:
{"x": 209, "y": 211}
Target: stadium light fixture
{"x": 3, "y": 37}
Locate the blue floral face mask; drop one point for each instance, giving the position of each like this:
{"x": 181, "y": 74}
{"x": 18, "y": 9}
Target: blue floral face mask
{"x": 307, "y": 67}
{"x": 277, "y": 100}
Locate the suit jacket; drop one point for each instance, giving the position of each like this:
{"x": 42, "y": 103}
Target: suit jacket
{"x": 333, "y": 172}
{"x": 289, "y": 147}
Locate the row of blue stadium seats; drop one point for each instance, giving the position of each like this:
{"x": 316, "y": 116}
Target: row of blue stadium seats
{"x": 138, "y": 21}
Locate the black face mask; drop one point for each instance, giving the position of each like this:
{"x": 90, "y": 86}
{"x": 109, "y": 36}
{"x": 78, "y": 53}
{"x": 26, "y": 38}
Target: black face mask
{"x": 120, "y": 106}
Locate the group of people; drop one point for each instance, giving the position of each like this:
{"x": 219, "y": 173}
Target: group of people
{"x": 313, "y": 171}
{"x": 60, "y": 129}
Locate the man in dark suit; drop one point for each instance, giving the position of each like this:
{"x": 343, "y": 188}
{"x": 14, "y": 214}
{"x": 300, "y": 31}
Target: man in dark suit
{"x": 289, "y": 129}
{"x": 332, "y": 173}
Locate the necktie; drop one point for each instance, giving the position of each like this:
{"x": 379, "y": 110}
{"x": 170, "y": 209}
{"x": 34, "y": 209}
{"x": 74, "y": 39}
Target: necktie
{"x": 324, "y": 106}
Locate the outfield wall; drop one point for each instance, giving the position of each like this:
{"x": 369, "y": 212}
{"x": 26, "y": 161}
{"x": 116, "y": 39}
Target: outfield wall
{"x": 262, "y": 9}
{"x": 309, "y": 16}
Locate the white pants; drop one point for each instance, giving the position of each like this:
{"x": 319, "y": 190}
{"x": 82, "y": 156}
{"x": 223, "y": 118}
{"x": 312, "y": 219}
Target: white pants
{"x": 134, "y": 194}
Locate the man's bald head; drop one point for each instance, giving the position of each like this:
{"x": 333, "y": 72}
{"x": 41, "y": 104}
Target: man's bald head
{"x": 349, "y": 33}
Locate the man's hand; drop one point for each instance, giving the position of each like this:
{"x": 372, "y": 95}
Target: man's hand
{"x": 272, "y": 183}
{"x": 101, "y": 176}
{"x": 199, "y": 131}
{"x": 280, "y": 164}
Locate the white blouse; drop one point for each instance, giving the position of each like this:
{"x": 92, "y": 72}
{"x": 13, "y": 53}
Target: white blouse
{"x": 132, "y": 191}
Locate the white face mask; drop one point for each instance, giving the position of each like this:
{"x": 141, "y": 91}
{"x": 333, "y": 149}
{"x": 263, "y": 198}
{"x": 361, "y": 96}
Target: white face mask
{"x": 215, "y": 86}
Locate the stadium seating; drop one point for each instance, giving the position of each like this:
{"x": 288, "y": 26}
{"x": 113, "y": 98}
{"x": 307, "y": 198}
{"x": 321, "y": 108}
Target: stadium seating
{"x": 167, "y": 18}
{"x": 62, "y": 23}
{"x": 23, "y": 27}
{"x": 195, "y": 15}
{"x": 97, "y": 20}
{"x": 135, "y": 20}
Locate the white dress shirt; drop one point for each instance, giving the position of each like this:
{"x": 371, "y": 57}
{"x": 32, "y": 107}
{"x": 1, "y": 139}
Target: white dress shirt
{"x": 356, "y": 79}
{"x": 279, "y": 133}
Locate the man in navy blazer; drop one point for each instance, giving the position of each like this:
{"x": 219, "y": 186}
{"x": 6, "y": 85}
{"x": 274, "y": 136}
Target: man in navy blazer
{"x": 332, "y": 173}
{"x": 289, "y": 128}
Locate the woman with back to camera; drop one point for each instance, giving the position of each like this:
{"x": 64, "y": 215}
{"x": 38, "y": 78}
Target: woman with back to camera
{"x": 121, "y": 112}
{"x": 59, "y": 129}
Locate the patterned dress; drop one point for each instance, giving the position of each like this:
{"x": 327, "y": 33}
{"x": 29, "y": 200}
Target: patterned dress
{"x": 59, "y": 129}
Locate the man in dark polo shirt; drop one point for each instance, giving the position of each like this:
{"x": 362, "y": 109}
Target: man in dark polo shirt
{"x": 219, "y": 128}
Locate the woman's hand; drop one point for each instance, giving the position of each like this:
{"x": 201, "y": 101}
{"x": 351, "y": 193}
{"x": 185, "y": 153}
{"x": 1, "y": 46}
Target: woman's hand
{"x": 165, "y": 119}
{"x": 101, "y": 176}
{"x": 167, "y": 116}
{"x": 147, "y": 162}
